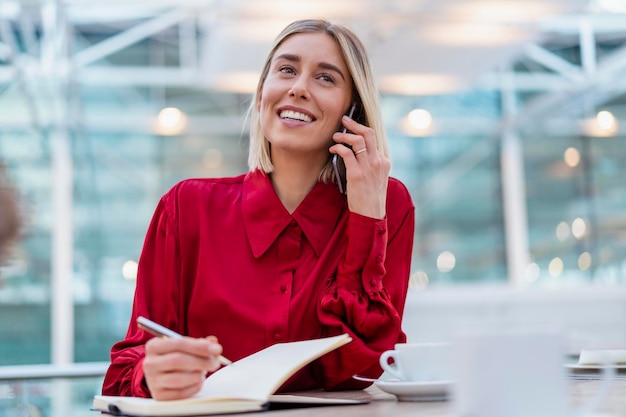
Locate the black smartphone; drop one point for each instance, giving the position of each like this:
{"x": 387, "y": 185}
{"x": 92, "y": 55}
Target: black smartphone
{"x": 338, "y": 165}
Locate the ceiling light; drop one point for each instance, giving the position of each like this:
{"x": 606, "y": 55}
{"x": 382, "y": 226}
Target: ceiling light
{"x": 446, "y": 261}
{"x": 293, "y": 10}
{"x": 497, "y": 11}
{"x": 584, "y": 261}
{"x": 419, "y": 84}
{"x": 244, "y": 82}
{"x": 129, "y": 270}
{"x": 562, "y": 231}
{"x": 604, "y": 124}
{"x": 606, "y": 121}
{"x": 171, "y": 121}
{"x": 579, "y": 228}
{"x": 532, "y": 272}
{"x": 420, "y": 118}
{"x": 473, "y": 34}
{"x": 571, "y": 156}
{"x": 555, "y": 267}
{"x": 419, "y": 281}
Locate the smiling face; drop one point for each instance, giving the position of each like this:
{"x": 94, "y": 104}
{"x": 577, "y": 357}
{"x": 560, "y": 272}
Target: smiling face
{"x": 307, "y": 90}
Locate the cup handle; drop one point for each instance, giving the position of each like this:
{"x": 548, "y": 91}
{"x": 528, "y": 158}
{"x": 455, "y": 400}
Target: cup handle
{"x": 588, "y": 407}
{"x": 391, "y": 369}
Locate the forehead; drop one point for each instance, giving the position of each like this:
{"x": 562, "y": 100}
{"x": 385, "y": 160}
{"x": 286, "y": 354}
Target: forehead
{"x": 318, "y": 46}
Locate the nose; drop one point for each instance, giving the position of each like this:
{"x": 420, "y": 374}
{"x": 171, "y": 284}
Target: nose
{"x": 300, "y": 89}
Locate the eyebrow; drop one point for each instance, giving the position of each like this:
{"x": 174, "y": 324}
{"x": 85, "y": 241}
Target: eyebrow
{"x": 324, "y": 65}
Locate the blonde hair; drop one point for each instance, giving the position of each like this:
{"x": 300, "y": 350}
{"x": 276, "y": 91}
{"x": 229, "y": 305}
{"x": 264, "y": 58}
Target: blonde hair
{"x": 364, "y": 90}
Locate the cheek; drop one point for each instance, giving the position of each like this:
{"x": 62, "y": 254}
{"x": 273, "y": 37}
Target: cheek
{"x": 265, "y": 112}
{"x": 337, "y": 113}
{"x": 266, "y": 100}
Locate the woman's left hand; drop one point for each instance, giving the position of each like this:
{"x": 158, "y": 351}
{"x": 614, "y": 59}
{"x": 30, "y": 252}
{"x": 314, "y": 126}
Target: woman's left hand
{"x": 367, "y": 170}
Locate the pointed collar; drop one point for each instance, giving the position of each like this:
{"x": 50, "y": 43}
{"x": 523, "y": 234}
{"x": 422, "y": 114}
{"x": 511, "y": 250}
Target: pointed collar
{"x": 265, "y": 217}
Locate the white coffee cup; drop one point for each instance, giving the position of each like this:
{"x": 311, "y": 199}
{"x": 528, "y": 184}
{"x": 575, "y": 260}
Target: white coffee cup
{"x": 424, "y": 362}
{"x": 512, "y": 374}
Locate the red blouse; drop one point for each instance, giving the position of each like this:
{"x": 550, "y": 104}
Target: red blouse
{"x": 223, "y": 257}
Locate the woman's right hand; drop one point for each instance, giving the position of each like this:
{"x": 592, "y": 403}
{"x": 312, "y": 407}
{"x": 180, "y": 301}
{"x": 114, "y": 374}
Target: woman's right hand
{"x": 176, "y": 368}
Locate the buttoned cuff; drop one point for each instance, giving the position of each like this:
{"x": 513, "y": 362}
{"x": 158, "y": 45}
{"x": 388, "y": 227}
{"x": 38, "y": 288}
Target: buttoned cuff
{"x": 140, "y": 388}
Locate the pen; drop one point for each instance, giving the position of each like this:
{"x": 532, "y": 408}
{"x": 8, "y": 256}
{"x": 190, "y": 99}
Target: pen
{"x": 158, "y": 330}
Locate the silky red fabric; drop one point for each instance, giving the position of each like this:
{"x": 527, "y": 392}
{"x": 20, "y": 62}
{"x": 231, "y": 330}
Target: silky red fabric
{"x": 223, "y": 257}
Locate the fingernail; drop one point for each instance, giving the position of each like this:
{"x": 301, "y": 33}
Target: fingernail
{"x": 214, "y": 350}
{"x": 346, "y": 117}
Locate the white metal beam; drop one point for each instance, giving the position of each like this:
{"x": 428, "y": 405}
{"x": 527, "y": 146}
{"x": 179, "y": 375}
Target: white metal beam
{"x": 587, "y": 47}
{"x": 604, "y": 73}
{"x": 140, "y": 76}
{"x": 129, "y": 37}
{"x": 553, "y": 62}
{"x": 188, "y": 43}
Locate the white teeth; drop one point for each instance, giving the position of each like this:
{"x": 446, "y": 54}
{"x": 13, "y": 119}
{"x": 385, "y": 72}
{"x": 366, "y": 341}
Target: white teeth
{"x": 294, "y": 115}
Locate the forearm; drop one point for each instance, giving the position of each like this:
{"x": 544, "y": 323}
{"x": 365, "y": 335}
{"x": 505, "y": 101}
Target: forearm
{"x": 367, "y": 298}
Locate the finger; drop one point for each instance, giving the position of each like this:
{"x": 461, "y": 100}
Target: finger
{"x": 214, "y": 346}
{"x": 349, "y": 140}
{"x": 342, "y": 150}
{"x": 175, "y": 385}
{"x": 179, "y": 361}
{"x": 177, "y": 380}
{"x": 351, "y": 124}
{"x": 357, "y": 128}
{"x": 359, "y": 136}
{"x": 174, "y": 394}
{"x": 198, "y": 347}
{"x": 369, "y": 142}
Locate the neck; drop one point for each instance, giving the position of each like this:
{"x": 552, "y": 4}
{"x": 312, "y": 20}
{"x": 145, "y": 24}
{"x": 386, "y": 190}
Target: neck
{"x": 293, "y": 179}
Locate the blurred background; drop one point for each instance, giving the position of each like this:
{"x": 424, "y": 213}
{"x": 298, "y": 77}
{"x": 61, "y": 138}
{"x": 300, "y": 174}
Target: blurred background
{"x": 504, "y": 119}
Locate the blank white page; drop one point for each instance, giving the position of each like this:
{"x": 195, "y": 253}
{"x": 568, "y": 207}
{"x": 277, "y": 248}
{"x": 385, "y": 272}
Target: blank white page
{"x": 259, "y": 375}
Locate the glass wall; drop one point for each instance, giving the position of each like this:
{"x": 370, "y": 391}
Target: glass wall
{"x": 121, "y": 164}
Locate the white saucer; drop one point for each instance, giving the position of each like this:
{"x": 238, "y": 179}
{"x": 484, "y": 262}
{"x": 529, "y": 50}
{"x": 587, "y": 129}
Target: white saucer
{"x": 416, "y": 391}
{"x": 597, "y": 367}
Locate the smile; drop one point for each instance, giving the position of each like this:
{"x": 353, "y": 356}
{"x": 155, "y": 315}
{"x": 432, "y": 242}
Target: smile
{"x": 294, "y": 115}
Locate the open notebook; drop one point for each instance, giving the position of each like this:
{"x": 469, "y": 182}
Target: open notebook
{"x": 246, "y": 385}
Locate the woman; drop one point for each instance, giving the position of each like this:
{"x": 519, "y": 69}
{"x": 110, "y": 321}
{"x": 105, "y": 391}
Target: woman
{"x": 10, "y": 221}
{"x": 279, "y": 254}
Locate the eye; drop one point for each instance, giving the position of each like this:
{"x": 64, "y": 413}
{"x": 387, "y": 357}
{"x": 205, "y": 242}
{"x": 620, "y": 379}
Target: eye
{"x": 327, "y": 78}
{"x": 286, "y": 69}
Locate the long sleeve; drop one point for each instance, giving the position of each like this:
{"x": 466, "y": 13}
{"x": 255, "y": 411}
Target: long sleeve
{"x": 367, "y": 297}
{"x": 156, "y": 296}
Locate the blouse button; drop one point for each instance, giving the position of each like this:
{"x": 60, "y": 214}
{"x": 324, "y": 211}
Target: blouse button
{"x": 382, "y": 231}
{"x": 277, "y": 336}
{"x": 293, "y": 223}
{"x": 283, "y": 288}
{"x": 379, "y": 259}
{"x": 373, "y": 282}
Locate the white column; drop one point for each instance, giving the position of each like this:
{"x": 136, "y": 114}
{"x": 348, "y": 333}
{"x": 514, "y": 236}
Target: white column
{"x": 54, "y": 104}
{"x": 514, "y": 205}
{"x": 62, "y": 249}
{"x": 54, "y": 60}
{"x": 513, "y": 191}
